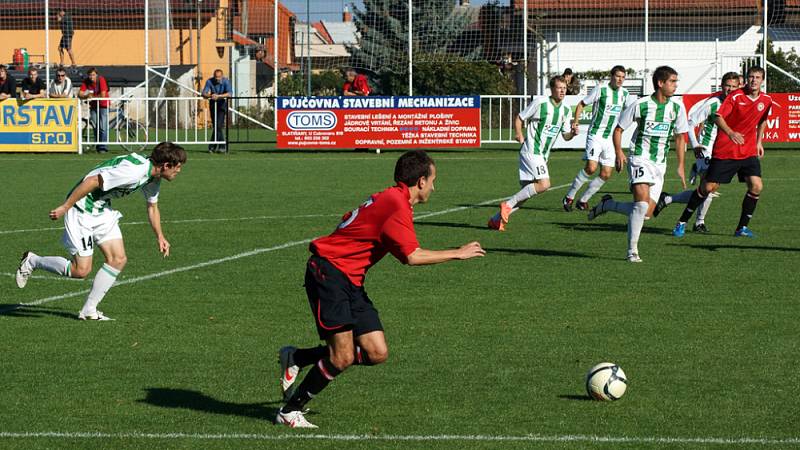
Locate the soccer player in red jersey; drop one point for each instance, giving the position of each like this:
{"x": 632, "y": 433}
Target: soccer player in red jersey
{"x": 345, "y": 316}
{"x": 742, "y": 119}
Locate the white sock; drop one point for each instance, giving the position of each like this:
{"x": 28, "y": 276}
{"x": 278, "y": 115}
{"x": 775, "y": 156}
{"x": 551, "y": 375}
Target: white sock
{"x": 619, "y": 207}
{"x": 52, "y": 264}
{"x": 580, "y": 179}
{"x": 594, "y": 186}
{"x": 520, "y": 197}
{"x": 703, "y": 209}
{"x": 635, "y": 224}
{"x": 682, "y": 197}
{"x": 103, "y": 281}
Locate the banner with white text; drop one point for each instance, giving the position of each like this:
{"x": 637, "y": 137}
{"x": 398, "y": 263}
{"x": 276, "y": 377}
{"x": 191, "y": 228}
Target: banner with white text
{"x": 379, "y": 122}
{"x": 39, "y": 125}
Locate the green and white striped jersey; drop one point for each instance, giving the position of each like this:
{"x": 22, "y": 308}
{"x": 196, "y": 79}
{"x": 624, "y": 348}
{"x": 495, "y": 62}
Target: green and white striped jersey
{"x": 547, "y": 121}
{"x": 121, "y": 176}
{"x": 656, "y": 124}
{"x": 607, "y": 105}
{"x": 704, "y": 112}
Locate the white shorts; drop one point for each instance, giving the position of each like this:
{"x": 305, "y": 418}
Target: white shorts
{"x": 601, "y": 150}
{"x": 644, "y": 171}
{"x": 83, "y": 231}
{"x": 532, "y": 167}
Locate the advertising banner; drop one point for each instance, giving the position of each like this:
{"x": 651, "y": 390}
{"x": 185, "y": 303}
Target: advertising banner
{"x": 783, "y": 124}
{"x": 39, "y": 125}
{"x": 379, "y": 122}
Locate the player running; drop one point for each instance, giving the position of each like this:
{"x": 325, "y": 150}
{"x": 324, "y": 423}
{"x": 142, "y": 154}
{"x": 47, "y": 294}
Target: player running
{"x": 607, "y": 100}
{"x": 742, "y": 118}
{"x": 344, "y": 315}
{"x": 658, "y": 117}
{"x": 90, "y": 221}
{"x": 701, "y": 114}
{"x": 548, "y": 117}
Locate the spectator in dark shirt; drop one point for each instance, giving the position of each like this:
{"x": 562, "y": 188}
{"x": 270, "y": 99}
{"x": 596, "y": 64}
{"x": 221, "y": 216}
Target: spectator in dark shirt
{"x": 573, "y": 83}
{"x": 218, "y": 90}
{"x": 67, "y": 31}
{"x": 8, "y": 85}
{"x": 33, "y": 86}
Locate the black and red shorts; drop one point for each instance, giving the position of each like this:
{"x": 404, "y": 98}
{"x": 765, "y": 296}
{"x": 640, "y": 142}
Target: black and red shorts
{"x": 337, "y": 304}
{"x": 722, "y": 170}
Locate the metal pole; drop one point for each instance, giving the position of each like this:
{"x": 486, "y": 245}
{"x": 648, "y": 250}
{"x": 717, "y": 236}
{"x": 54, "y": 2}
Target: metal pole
{"x": 410, "y": 49}
{"x": 199, "y": 71}
{"x": 146, "y": 63}
{"x": 558, "y": 52}
{"x": 525, "y": 49}
{"x": 47, "y": 42}
{"x": 765, "y": 30}
{"x": 308, "y": 47}
{"x": 646, "y": 41}
{"x": 717, "y": 81}
{"x": 275, "y": 71}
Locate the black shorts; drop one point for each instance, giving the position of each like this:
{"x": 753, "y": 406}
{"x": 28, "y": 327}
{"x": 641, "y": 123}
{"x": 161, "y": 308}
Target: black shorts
{"x": 66, "y": 42}
{"x": 337, "y": 304}
{"x": 722, "y": 170}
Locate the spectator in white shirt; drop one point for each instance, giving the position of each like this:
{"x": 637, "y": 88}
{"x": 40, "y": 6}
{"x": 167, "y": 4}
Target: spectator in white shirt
{"x": 61, "y": 86}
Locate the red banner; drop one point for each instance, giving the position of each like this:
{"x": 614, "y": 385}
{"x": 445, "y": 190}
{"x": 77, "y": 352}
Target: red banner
{"x": 783, "y": 124}
{"x": 378, "y": 122}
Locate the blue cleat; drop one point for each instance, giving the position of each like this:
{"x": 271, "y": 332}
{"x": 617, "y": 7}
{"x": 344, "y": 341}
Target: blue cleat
{"x": 744, "y": 232}
{"x": 679, "y": 230}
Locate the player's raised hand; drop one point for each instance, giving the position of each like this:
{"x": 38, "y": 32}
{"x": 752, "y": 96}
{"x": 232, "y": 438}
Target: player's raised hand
{"x": 163, "y": 246}
{"x": 471, "y": 250}
{"x": 58, "y": 212}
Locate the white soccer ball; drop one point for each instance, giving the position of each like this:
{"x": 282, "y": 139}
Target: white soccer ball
{"x": 606, "y": 381}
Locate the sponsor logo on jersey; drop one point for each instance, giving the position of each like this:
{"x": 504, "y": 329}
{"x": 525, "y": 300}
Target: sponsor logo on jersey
{"x": 656, "y": 129}
{"x": 613, "y": 109}
{"x": 311, "y": 120}
{"x": 760, "y": 107}
{"x": 551, "y": 130}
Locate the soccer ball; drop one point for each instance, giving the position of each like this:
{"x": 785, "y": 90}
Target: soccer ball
{"x": 606, "y": 381}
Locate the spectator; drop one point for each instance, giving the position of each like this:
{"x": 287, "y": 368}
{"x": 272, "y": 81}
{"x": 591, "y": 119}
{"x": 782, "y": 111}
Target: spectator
{"x": 8, "y": 85}
{"x": 218, "y": 90}
{"x": 61, "y": 86}
{"x": 356, "y": 84}
{"x": 506, "y": 64}
{"x": 573, "y": 83}
{"x": 67, "y": 31}
{"x": 95, "y": 86}
{"x": 33, "y": 86}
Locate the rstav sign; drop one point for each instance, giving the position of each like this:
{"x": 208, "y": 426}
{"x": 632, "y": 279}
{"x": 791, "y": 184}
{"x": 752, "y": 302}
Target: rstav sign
{"x": 379, "y": 122}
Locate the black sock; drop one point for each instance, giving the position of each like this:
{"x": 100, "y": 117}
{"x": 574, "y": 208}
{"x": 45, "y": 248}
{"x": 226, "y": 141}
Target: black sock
{"x": 695, "y": 201}
{"x": 315, "y": 381}
{"x": 362, "y": 359}
{"x": 307, "y": 356}
{"x": 748, "y": 208}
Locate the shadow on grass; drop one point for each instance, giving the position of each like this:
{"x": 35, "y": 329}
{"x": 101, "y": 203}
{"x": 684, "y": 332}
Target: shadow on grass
{"x": 599, "y": 226}
{"x": 715, "y": 247}
{"x": 33, "y": 312}
{"x": 538, "y": 252}
{"x": 495, "y": 206}
{"x": 197, "y": 401}
{"x": 450, "y": 225}
{"x": 581, "y": 398}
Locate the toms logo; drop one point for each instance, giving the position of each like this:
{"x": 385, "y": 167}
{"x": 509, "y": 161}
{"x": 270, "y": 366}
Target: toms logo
{"x": 311, "y": 120}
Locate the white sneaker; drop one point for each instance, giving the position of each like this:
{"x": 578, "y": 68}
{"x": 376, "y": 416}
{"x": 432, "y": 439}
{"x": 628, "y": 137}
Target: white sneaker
{"x": 293, "y": 419}
{"x": 96, "y": 316}
{"x": 25, "y": 269}
{"x": 289, "y": 370}
{"x": 634, "y": 258}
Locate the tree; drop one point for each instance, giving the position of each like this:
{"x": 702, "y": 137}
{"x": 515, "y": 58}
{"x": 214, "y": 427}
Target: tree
{"x": 786, "y": 60}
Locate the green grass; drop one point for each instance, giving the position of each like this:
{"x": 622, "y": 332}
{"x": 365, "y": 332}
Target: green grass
{"x": 706, "y": 328}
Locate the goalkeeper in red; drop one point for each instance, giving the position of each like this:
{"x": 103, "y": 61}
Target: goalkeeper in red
{"x": 741, "y": 119}
{"x": 344, "y": 315}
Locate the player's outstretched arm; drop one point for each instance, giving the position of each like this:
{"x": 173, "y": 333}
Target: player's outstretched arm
{"x": 154, "y": 216}
{"x": 680, "y": 152}
{"x": 421, "y": 256}
{"x": 576, "y": 119}
{"x": 621, "y": 159}
{"x": 518, "y": 128}
{"x": 86, "y": 186}
{"x": 760, "y": 138}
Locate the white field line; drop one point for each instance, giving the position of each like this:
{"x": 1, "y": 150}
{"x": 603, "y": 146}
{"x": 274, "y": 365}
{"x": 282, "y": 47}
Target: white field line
{"x": 412, "y": 438}
{"x": 213, "y": 262}
{"x": 44, "y": 277}
{"x": 200, "y": 220}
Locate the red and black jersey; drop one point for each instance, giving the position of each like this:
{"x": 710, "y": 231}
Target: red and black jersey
{"x": 743, "y": 115}
{"x": 359, "y": 84}
{"x": 383, "y": 224}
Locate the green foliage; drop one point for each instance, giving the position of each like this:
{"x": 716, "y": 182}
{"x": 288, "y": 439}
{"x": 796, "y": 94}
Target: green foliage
{"x": 457, "y": 76}
{"x": 786, "y": 60}
{"x": 603, "y": 74}
{"x": 327, "y": 83}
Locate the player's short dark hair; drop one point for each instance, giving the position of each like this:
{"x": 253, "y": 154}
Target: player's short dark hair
{"x": 168, "y": 153}
{"x": 412, "y": 166}
{"x": 755, "y": 69}
{"x": 556, "y": 79}
{"x": 616, "y": 69}
{"x": 662, "y": 74}
{"x": 730, "y": 76}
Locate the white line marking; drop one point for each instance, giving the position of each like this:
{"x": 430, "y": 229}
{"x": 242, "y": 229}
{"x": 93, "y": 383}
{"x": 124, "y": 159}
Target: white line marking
{"x": 412, "y": 438}
{"x": 223, "y": 219}
{"x": 212, "y": 262}
{"x": 44, "y": 277}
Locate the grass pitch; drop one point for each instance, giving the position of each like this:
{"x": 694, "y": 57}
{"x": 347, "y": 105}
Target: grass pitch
{"x": 486, "y": 353}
